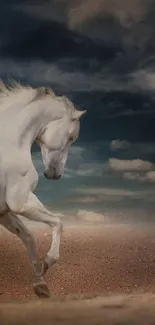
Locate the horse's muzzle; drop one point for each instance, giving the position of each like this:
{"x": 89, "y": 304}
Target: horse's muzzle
{"x": 53, "y": 176}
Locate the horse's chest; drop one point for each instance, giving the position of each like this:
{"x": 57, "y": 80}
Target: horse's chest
{"x": 17, "y": 169}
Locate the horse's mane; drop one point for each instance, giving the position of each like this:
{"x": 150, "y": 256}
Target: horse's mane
{"x": 9, "y": 90}
{"x": 15, "y": 88}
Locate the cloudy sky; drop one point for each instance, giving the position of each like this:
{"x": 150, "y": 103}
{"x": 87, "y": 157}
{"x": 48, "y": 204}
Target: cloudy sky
{"x": 101, "y": 54}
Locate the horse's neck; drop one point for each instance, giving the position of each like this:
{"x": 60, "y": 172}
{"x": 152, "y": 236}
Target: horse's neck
{"x": 19, "y": 98}
{"x": 21, "y": 125}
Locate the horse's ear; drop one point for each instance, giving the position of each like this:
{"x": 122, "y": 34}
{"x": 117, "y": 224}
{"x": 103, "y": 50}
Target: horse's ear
{"x": 43, "y": 91}
{"x": 47, "y": 91}
{"x": 78, "y": 114}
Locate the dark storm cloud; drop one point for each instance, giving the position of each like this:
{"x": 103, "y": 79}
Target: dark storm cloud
{"x": 100, "y": 53}
{"x": 114, "y": 21}
{"x": 79, "y": 13}
{"x": 120, "y": 25}
{"x": 125, "y": 29}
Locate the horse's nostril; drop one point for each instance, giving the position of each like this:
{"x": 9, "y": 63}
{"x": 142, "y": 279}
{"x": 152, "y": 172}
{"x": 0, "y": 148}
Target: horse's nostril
{"x": 56, "y": 176}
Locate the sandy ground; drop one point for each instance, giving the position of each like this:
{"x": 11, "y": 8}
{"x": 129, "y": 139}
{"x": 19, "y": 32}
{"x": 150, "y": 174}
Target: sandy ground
{"x": 116, "y": 259}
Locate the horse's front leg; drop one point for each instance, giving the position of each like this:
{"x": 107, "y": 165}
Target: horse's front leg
{"x": 34, "y": 210}
{"x": 12, "y": 223}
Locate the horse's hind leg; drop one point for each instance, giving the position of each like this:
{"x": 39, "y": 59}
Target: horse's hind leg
{"x": 12, "y": 223}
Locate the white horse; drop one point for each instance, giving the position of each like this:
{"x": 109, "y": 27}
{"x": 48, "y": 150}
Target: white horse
{"x": 28, "y": 115}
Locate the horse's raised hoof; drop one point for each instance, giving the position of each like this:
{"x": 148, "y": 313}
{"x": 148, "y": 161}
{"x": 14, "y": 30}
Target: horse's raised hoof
{"x": 41, "y": 290}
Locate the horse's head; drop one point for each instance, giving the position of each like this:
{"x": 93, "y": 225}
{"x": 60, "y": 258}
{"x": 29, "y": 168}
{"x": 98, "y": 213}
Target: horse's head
{"x": 55, "y": 142}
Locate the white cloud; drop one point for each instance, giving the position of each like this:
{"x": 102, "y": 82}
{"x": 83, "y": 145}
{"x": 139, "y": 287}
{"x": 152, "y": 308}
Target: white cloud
{"x": 144, "y": 79}
{"x": 120, "y": 165}
{"x": 76, "y": 150}
{"x": 86, "y": 199}
{"x": 85, "y": 172}
{"x": 118, "y": 144}
{"x": 145, "y": 177}
{"x": 105, "y": 191}
{"x": 134, "y": 170}
{"x": 112, "y": 195}
{"x": 97, "y": 198}
{"x": 80, "y": 216}
{"x": 150, "y": 176}
{"x": 134, "y": 176}
{"x": 84, "y": 215}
